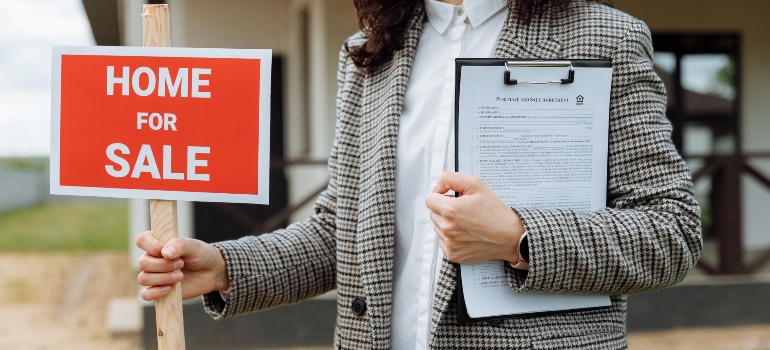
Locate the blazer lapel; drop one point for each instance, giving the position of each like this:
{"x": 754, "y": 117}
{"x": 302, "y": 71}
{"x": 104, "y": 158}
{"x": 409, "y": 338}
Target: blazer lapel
{"x": 383, "y": 99}
{"x": 532, "y": 40}
{"x": 517, "y": 40}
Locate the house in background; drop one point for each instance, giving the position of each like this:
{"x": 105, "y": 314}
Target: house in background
{"x": 722, "y": 133}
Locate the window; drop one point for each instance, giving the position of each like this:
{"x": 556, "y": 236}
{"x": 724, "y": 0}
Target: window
{"x": 701, "y": 77}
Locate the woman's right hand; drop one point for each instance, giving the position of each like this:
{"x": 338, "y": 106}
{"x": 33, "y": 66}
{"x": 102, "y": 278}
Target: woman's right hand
{"x": 199, "y": 265}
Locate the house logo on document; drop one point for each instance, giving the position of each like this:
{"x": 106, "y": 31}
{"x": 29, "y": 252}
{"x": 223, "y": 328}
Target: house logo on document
{"x": 579, "y": 100}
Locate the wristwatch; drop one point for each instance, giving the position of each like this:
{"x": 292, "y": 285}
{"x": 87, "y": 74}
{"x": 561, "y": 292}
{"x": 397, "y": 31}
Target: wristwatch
{"x": 523, "y": 250}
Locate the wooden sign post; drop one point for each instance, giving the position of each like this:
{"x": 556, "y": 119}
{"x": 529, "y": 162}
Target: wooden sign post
{"x": 168, "y": 309}
{"x": 156, "y": 32}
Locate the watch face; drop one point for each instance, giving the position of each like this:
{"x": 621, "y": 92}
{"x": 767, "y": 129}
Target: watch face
{"x": 524, "y": 248}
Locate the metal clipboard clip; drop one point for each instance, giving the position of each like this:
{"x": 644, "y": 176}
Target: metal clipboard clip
{"x": 508, "y": 81}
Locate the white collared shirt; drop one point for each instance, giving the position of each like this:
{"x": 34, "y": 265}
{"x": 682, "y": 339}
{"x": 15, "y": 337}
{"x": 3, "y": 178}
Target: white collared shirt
{"x": 426, "y": 149}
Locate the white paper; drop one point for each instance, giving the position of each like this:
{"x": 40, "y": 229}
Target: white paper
{"x": 535, "y": 146}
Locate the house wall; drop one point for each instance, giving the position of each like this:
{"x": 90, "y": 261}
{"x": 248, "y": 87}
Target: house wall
{"x": 330, "y": 23}
{"x": 238, "y": 24}
{"x": 749, "y": 18}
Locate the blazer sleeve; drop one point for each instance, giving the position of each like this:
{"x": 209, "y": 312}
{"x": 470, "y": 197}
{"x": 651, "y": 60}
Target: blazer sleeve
{"x": 285, "y": 266}
{"x": 649, "y": 236}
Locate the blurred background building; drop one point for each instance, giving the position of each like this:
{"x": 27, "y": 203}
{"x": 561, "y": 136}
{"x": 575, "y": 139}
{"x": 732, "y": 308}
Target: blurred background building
{"x": 713, "y": 56}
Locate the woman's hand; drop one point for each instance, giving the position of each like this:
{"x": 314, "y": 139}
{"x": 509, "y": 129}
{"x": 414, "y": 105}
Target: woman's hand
{"x": 199, "y": 264}
{"x": 475, "y": 227}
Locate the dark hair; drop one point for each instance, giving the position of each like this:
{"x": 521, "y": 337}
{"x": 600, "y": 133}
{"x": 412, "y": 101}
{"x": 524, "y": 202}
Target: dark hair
{"x": 384, "y": 25}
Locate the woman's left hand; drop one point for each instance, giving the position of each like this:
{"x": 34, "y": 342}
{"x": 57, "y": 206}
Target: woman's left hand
{"x": 475, "y": 227}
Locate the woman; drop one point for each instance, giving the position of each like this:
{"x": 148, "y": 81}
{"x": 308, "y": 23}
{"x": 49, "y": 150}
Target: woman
{"x": 373, "y": 235}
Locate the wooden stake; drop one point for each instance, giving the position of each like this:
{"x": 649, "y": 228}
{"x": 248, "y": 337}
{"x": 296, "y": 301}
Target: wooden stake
{"x": 156, "y": 32}
{"x": 168, "y": 309}
{"x": 156, "y": 26}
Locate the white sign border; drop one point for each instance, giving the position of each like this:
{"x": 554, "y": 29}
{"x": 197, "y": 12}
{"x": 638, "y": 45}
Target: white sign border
{"x": 266, "y": 57}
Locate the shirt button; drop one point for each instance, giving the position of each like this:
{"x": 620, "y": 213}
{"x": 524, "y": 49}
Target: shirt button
{"x": 358, "y": 307}
{"x": 460, "y": 11}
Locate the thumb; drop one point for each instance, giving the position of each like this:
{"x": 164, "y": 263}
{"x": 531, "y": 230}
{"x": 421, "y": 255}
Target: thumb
{"x": 181, "y": 247}
{"x": 460, "y": 183}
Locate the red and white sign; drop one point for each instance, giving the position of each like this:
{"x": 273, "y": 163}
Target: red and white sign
{"x": 161, "y": 123}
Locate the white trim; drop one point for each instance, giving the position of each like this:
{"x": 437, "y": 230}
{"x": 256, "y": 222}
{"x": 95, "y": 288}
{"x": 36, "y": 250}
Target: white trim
{"x": 55, "y": 116}
{"x": 155, "y": 194}
{"x": 264, "y": 122}
{"x": 262, "y": 54}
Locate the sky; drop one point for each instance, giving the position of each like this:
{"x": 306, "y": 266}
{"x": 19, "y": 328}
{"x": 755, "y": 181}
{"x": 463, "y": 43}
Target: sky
{"x": 28, "y": 31}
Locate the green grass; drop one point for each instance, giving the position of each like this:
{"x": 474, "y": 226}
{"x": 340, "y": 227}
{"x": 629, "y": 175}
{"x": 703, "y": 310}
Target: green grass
{"x": 65, "y": 227}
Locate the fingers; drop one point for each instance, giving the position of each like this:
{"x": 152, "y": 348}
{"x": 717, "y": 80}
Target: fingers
{"x": 437, "y": 219}
{"x": 460, "y": 183}
{"x": 443, "y": 227}
{"x": 154, "y": 293}
{"x": 449, "y": 231}
{"x": 439, "y": 203}
{"x": 448, "y": 252}
{"x": 441, "y": 235}
{"x": 183, "y": 248}
{"x": 175, "y": 248}
{"x": 149, "y": 279}
{"x": 149, "y": 263}
{"x": 149, "y": 244}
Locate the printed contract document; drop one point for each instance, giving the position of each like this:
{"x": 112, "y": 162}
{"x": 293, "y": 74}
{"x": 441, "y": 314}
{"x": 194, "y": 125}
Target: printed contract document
{"x": 540, "y": 141}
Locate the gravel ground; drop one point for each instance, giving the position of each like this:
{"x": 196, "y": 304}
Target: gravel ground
{"x": 45, "y": 304}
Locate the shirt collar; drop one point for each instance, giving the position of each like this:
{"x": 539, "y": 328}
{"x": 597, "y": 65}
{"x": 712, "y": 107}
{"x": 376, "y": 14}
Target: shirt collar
{"x": 441, "y": 14}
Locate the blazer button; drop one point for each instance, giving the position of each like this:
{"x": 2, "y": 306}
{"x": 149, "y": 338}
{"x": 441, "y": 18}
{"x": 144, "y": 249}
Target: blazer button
{"x": 358, "y": 307}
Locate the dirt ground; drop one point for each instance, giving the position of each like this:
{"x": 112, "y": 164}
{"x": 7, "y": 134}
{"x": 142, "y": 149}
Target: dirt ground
{"x": 738, "y": 338}
{"x": 59, "y": 301}
{"x": 46, "y": 304}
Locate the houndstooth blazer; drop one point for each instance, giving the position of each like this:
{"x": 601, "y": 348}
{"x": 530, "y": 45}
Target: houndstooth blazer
{"x": 648, "y": 237}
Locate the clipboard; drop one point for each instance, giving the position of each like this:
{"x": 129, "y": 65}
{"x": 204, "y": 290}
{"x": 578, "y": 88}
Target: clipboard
{"x": 509, "y": 78}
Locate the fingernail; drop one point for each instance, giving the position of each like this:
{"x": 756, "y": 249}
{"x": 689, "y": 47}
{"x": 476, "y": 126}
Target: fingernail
{"x": 165, "y": 289}
{"x": 178, "y": 265}
{"x": 169, "y": 252}
{"x": 178, "y": 276}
